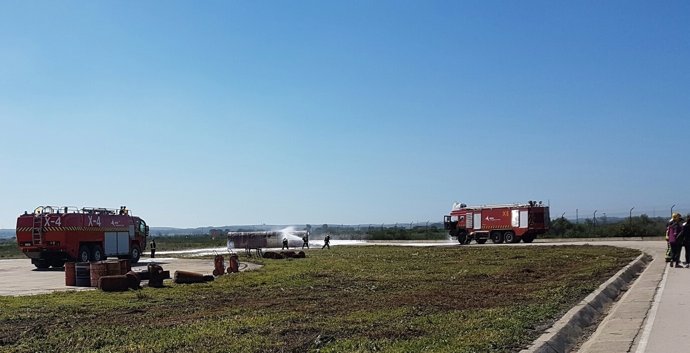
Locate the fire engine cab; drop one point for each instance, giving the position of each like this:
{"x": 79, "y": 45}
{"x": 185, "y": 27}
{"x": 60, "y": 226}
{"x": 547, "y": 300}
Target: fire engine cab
{"x": 52, "y": 235}
{"x": 508, "y": 222}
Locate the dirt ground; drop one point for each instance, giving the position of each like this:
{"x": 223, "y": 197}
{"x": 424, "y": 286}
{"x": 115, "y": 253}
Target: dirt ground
{"x": 20, "y": 277}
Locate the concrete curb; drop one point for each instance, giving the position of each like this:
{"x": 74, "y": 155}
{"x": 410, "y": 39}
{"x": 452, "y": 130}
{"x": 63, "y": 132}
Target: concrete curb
{"x": 561, "y": 337}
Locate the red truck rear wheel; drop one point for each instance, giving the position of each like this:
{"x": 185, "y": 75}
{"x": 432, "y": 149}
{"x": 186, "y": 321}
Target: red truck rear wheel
{"x": 496, "y": 237}
{"x": 510, "y": 237}
{"x": 84, "y": 254}
{"x": 97, "y": 253}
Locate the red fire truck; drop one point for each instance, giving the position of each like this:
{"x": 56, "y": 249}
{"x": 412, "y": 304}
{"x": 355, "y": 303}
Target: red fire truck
{"x": 52, "y": 235}
{"x": 510, "y": 222}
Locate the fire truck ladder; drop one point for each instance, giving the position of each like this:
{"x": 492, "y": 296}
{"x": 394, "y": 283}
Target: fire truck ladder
{"x": 37, "y": 230}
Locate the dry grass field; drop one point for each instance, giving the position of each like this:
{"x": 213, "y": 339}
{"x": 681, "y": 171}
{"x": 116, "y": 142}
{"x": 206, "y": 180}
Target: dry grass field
{"x": 348, "y": 299}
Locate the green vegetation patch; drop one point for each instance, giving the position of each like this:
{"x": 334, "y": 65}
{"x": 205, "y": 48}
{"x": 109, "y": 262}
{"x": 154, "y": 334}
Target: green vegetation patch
{"x": 348, "y": 299}
{"x": 9, "y": 249}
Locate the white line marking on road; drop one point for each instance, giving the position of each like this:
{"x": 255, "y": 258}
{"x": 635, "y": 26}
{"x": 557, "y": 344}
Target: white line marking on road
{"x": 644, "y": 339}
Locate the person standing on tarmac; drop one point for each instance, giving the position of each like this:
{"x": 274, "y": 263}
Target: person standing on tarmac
{"x": 305, "y": 242}
{"x": 326, "y": 242}
{"x": 685, "y": 235}
{"x": 285, "y": 244}
{"x": 153, "y": 248}
{"x": 675, "y": 243}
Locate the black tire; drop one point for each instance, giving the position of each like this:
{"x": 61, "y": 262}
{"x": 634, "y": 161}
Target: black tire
{"x": 134, "y": 254}
{"x": 462, "y": 237}
{"x": 510, "y": 237}
{"x": 84, "y": 254}
{"x": 481, "y": 241}
{"x": 57, "y": 263}
{"x": 97, "y": 253}
{"x": 496, "y": 237}
{"x": 528, "y": 238}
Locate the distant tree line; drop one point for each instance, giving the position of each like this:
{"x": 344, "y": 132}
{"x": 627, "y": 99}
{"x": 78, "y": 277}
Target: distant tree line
{"x": 416, "y": 233}
{"x": 641, "y": 226}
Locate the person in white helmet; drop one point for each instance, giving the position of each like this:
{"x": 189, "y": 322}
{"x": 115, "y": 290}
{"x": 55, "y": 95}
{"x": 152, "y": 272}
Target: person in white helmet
{"x": 327, "y": 242}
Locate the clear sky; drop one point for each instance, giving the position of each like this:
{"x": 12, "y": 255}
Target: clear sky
{"x": 287, "y": 112}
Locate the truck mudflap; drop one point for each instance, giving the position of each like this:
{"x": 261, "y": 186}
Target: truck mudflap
{"x": 48, "y": 255}
{"x": 45, "y": 259}
{"x": 32, "y": 253}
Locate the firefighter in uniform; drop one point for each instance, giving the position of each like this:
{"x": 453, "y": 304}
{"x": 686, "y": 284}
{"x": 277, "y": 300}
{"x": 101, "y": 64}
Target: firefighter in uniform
{"x": 326, "y": 242}
{"x": 153, "y": 248}
{"x": 285, "y": 243}
{"x": 305, "y": 242}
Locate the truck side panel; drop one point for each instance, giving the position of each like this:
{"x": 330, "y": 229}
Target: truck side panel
{"x": 496, "y": 218}
{"x": 59, "y": 236}
{"x": 522, "y": 220}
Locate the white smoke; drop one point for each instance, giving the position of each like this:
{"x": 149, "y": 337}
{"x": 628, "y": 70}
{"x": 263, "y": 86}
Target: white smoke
{"x": 293, "y": 235}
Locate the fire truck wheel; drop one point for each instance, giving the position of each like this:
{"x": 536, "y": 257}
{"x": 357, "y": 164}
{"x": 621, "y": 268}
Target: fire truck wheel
{"x": 481, "y": 241}
{"x": 462, "y": 237}
{"x": 510, "y": 237}
{"x": 97, "y": 253}
{"x": 83, "y": 255}
{"x": 528, "y": 238}
{"x": 57, "y": 263}
{"x": 497, "y": 237}
{"x": 134, "y": 254}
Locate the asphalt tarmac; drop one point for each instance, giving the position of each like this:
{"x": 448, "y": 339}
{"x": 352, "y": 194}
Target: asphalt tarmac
{"x": 20, "y": 277}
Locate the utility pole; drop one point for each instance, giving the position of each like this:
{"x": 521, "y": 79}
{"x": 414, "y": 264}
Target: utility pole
{"x": 594, "y": 220}
{"x": 577, "y": 216}
{"x": 674, "y": 205}
{"x": 631, "y": 214}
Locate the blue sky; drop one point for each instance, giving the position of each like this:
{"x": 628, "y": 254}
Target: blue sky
{"x": 287, "y": 112}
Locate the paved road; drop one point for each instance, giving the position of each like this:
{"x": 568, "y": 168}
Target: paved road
{"x": 670, "y": 329}
{"x": 20, "y": 277}
{"x": 653, "y": 316}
